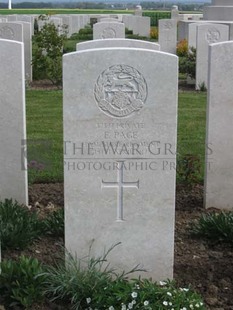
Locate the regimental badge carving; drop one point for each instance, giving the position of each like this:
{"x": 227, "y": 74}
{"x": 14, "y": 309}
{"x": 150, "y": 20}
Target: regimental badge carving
{"x": 120, "y": 91}
{"x": 6, "y": 33}
{"x": 167, "y": 25}
{"x": 212, "y": 35}
{"x": 108, "y": 33}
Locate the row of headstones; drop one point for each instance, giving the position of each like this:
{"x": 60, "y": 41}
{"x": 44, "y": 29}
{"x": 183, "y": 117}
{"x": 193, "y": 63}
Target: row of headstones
{"x": 140, "y": 25}
{"x": 120, "y": 120}
{"x": 21, "y": 28}
{"x": 198, "y": 35}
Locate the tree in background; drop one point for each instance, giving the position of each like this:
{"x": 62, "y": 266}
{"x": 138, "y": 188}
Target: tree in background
{"x": 47, "y": 52}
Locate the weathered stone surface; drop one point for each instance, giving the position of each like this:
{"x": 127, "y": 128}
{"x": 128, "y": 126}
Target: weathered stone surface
{"x": 13, "y": 174}
{"x": 120, "y": 141}
{"x": 207, "y": 34}
{"x": 219, "y": 171}
{"x": 117, "y": 43}
{"x": 107, "y": 30}
{"x": 168, "y": 35}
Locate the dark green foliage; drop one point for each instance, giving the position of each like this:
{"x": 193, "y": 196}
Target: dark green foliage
{"x": 155, "y": 16}
{"x": 127, "y": 31}
{"x": 215, "y": 226}
{"x": 20, "y": 283}
{"x": 48, "y": 51}
{"x": 84, "y": 34}
{"x": 18, "y": 226}
{"x": 187, "y": 64}
{"x": 136, "y": 37}
{"x": 54, "y": 223}
{"x": 189, "y": 169}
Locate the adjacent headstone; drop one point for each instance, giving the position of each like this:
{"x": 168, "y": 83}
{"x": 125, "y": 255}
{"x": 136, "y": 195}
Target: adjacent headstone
{"x": 219, "y": 10}
{"x": 219, "y": 170}
{"x": 13, "y": 176}
{"x": 27, "y": 40}
{"x": 117, "y": 43}
{"x": 138, "y": 10}
{"x": 11, "y": 31}
{"x": 107, "y": 30}
{"x": 192, "y": 34}
{"x": 120, "y": 142}
{"x": 207, "y": 34}
{"x": 168, "y": 35}
{"x": 175, "y": 12}
{"x": 141, "y": 25}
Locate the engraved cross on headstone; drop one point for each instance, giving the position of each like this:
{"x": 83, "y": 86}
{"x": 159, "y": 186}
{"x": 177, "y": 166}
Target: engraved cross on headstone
{"x": 120, "y": 185}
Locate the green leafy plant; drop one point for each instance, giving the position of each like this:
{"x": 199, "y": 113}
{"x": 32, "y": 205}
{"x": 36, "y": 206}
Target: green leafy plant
{"x": 215, "y": 226}
{"x": 202, "y": 87}
{"x": 47, "y": 52}
{"x": 182, "y": 48}
{"x": 187, "y": 63}
{"x": 54, "y": 223}
{"x": 91, "y": 284}
{"x": 189, "y": 169}
{"x": 20, "y": 283}
{"x": 18, "y": 226}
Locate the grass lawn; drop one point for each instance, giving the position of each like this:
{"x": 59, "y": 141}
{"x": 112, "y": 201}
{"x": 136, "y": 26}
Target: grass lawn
{"x": 44, "y": 129}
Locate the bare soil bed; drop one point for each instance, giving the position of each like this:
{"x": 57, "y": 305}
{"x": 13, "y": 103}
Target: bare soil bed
{"x": 207, "y": 267}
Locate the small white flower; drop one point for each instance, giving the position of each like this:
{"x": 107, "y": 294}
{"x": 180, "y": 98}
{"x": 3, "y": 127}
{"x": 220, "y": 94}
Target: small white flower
{"x": 133, "y": 302}
{"x": 162, "y": 283}
{"x": 88, "y": 300}
{"x": 165, "y": 303}
{"x": 146, "y": 303}
{"x": 130, "y": 305}
{"x": 137, "y": 286}
{"x": 169, "y": 294}
{"x": 191, "y": 306}
{"x": 134, "y": 295}
{"x": 111, "y": 308}
{"x": 184, "y": 308}
{"x": 197, "y": 306}
{"x": 170, "y": 303}
{"x": 123, "y": 307}
{"x": 185, "y": 289}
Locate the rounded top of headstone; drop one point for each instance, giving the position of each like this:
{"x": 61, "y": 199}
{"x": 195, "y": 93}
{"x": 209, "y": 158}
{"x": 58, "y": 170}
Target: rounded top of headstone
{"x": 138, "y": 7}
{"x": 175, "y": 7}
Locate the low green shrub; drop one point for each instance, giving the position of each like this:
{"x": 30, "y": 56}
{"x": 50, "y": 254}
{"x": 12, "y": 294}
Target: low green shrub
{"x": 18, "y": 226}
{"x": 54, "y": 223}
{"x": 136, "y": 37}
{"x": 21, "y": 281}
{"x": 187, "y": 63}
{"x": 215, "y": 226}
{"x": 92, "y": 284}
{"x": 188, "y": 169}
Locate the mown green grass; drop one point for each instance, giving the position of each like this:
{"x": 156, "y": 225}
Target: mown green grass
{"x": 45, "y": 135}
{"x": 192, "y": 128}
{"x": 44, "y": 122}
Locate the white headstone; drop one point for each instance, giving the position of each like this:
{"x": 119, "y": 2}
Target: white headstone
{"x": 168, "y": 35}
{"x": 11, "y": 31}
{"x": 13, "y": 174}
{"x": 27, "y": 40}
{"x": 207, "y": 34}
{"x": 107, "y": 30}
{"x": 219, "y": 169}
{"x": 120, "y": 141}
{"x": 141, "y": 25}
{"x": 117, "y": 43}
